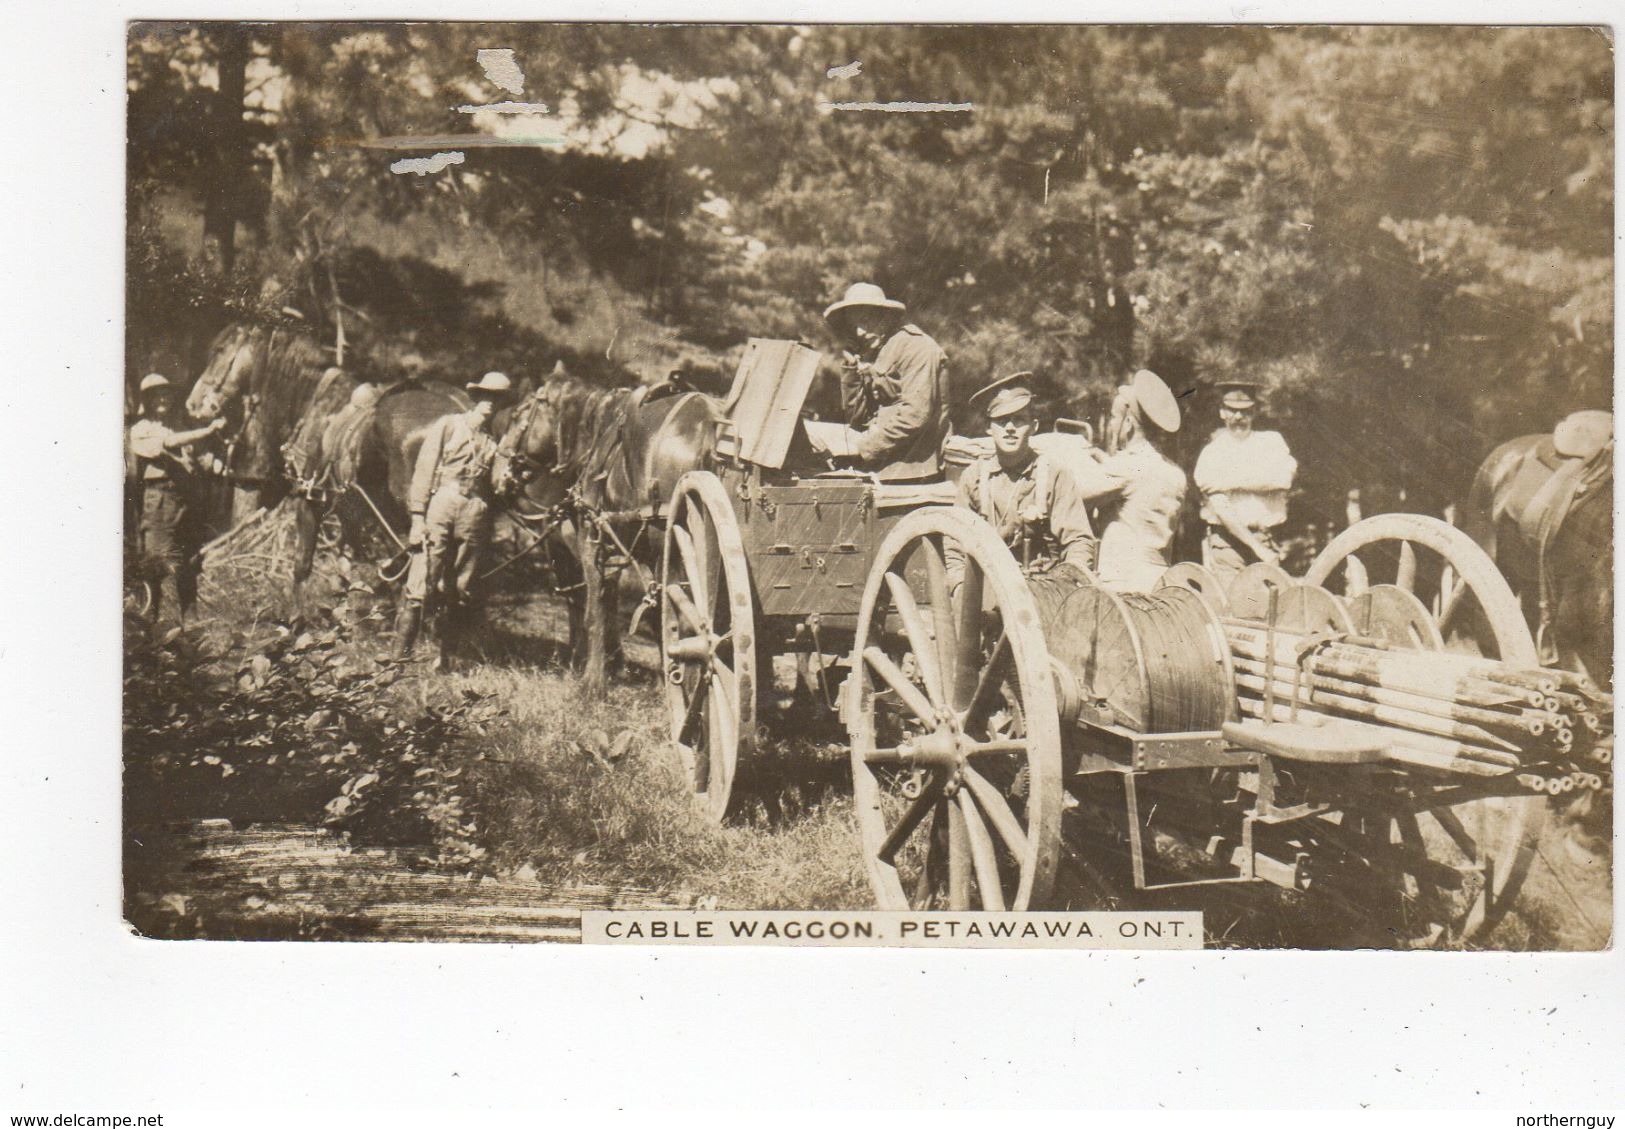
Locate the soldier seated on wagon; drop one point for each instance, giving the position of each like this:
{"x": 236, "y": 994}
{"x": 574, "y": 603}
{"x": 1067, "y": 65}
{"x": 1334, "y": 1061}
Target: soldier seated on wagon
{"x": 1031, "y": 498}
{"x": 894, "y": 389}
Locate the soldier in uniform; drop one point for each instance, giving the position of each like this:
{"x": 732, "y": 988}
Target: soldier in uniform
{"x": 163, "y": 469}
{"x": 1244, "y": 475}
{"x": 894, "y": 386}
{"x": 450, "y": 500}
{"x": 1145, "y": 486}
{"x": 1031, "y": 499}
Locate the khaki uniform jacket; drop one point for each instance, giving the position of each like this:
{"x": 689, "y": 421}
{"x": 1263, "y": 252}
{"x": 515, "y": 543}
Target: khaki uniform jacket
{"x": 901, "y": 412}
{"x": 150, "y": 457}
{"x": 1039, "y": 504}
{"x": 454, "y": 452}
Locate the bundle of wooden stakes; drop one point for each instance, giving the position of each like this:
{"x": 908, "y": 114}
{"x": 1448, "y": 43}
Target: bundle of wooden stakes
{"x": 1436, "y": 709}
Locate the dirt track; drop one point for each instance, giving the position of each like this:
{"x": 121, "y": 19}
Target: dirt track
{"x": 285, "y": 882}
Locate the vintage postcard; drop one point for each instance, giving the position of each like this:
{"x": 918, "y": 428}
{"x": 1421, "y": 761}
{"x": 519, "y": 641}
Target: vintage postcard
{"x": 1003, "y": 486}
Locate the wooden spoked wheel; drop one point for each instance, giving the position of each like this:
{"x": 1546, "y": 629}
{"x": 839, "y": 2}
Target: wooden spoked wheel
{"x": 951, "y": 711}
{"x": 140, "y": 595}
{"x": 1249, "y": 590}
{"x": 1443, "y": 568}
{"x": 1189, "y": 574}
{"x": 707, "y": 639}
{"x": 1451, "y": 858}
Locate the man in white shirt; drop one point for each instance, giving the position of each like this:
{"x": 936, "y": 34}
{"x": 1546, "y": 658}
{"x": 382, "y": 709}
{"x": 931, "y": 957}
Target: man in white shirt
{"x": 1244, "y": 476}
{"x": 162, "y": 468}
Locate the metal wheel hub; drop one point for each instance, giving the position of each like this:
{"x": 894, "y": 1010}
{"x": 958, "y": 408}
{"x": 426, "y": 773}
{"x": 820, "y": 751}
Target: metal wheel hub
{"x": 946, "y": 746}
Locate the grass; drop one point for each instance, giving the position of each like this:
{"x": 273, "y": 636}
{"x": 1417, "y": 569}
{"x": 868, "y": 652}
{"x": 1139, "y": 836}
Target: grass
{"x": 576, "y": 790}
{"x": 551, "y": 798}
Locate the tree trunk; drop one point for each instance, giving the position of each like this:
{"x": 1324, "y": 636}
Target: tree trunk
{"x": 228, "y": 152}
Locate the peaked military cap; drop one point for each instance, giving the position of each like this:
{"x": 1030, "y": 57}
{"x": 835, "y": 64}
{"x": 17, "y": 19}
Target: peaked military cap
{"x": 1240, "y": 392}
{"x": 1005, "y": 396}
{"x": 1156, "y": 403}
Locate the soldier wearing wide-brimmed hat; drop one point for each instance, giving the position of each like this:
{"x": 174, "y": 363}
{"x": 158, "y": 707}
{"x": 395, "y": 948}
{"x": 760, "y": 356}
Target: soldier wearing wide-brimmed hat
{"x": 1141, "y": 485}
{"x": 1030, "y": 497}
{"x": 161, "y": 466}
{"x": 1244, "y": 476}
{"x": 894, "y": 385}
{"x": 451, "y": 503}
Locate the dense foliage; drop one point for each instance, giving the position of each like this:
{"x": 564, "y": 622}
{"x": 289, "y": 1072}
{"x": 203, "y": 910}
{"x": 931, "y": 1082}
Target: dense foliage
{"x": 290, "y": 726}
{"x": 1405, "y": 231}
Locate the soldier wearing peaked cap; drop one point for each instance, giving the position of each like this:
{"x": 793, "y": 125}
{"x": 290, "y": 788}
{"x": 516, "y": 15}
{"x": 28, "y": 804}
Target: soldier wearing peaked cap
{"x": 1143, "y": 487}
{"x": 162, "y": 466}
{"x": 1029, "y": 497}
{"x": 451, "y": 499}
{"x": 1244, "y": 476}
{"x": 894, "y": 385}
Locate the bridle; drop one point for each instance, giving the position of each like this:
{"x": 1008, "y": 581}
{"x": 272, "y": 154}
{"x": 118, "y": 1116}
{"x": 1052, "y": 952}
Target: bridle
{"x": 251, "y": 406}
{"x": 512, "y": 448}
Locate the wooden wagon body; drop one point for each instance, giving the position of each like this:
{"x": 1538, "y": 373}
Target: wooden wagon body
{"x": 1315, "y": 734}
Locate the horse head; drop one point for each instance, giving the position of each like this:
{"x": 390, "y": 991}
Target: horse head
{"x": 260, "y": 379}
{"x": 533, "y": 452}
{"x": 229, "y": 373}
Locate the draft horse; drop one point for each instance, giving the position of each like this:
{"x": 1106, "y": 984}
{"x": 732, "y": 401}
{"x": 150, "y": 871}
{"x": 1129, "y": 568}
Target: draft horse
{"x": 261, "y": 378}
{"x": 357, "y": 460}
{"x": 1542, "y": 507}
{"x": 606, "y": 460}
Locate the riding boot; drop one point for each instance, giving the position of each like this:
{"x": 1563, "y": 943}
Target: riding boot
{"x": 408, "y": 623}
{"x": 451, "y": 628}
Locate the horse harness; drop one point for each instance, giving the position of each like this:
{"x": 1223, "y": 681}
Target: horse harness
{"x": 251, "y": 407}
{"x": 595, "y": 523}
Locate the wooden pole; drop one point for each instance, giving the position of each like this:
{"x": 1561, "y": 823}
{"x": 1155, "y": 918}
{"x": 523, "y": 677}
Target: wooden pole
{"x": 1396, "y": 670}
{"x": 1418, "y": 749}
{"x": 1372, "y": 711}
{"x": 1422, "y": 667}
{"x": 1525, "y": 722}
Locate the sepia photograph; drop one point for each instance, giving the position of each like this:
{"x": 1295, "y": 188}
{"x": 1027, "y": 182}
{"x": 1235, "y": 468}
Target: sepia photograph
{"x": 872, "y": 484}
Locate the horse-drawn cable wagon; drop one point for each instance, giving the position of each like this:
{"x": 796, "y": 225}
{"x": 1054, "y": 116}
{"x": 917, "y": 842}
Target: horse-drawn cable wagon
{"x": 1314, "y": 734}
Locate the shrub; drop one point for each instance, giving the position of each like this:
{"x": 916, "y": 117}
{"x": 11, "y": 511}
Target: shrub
{"x": 294, "y": 730}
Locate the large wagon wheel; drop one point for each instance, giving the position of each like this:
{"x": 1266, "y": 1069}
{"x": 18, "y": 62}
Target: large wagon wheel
{"x": 707, "y": 639}
{"x": 1454, "y": 865}
{"x": 951, "y": 710}
{"x": 1462, "y": 577}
